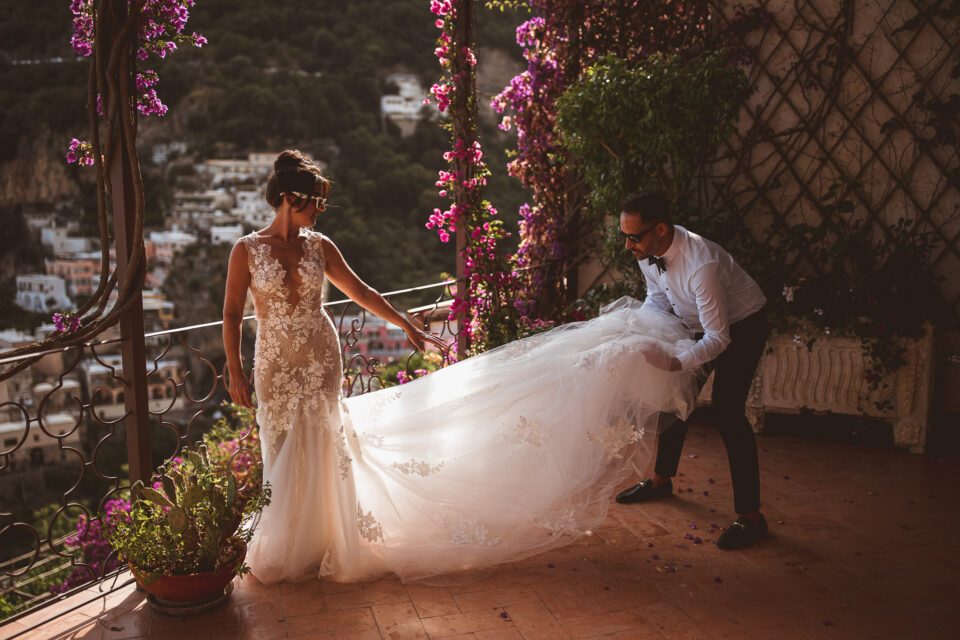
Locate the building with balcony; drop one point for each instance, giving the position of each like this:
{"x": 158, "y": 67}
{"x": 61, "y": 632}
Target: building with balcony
{"x": 201, "y": 209}
{"x": 253, "y": 169}
{"x": 405, "y": 107}
{"x": 377, "y": 339}
{"x": 103, "y": 385}
{"x": 166, "y": 244}
{"x": 250, "y": 207}
{"x": 42, "y": 293}
{"x": 80, "y": 271}
{"x": 158, "y": 312}
{"x": 60, "y": 242}
{"x": 39, "y": 447}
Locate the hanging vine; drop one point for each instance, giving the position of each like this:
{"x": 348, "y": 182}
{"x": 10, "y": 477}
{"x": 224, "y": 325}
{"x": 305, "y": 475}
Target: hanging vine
{"x": 119, "y": 88}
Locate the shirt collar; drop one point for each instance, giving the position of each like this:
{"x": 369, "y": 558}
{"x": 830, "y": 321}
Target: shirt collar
{"x": 679, "y": 237}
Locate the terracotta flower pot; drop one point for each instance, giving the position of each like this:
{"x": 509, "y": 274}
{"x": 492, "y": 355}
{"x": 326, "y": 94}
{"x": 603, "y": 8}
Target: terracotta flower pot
{"x": 192, "y": 588}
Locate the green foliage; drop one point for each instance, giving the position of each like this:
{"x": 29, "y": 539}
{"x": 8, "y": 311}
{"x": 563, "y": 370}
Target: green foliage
{"x": 417, "y": 365}
{"x": 189, "y": 521}
{"x": 43, "y": 518}
{"x": 651, "y": 124}
{"x": 234, "y": 442}
{"x": 847, "y": 277}
{"x": 298, "y": 74}
{"x": 6, "y": 608}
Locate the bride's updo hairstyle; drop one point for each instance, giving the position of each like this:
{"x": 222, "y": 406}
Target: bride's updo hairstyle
{"x": 294, "y": 172}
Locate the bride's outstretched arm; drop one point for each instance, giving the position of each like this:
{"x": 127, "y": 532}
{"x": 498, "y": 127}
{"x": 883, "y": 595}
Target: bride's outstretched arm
{"x": 344, "y": 278}
{"x": 234, "y": 299}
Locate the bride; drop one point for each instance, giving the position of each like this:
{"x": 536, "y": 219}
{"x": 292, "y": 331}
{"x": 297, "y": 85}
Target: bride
{"x": 496, "y": 458}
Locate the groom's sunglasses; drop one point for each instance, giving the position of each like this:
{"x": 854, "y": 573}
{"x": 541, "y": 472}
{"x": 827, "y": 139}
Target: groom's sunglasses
{"x": 637, "y": 237}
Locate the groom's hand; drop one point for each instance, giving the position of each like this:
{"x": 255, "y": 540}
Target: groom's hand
{"x": 659, "y": 358}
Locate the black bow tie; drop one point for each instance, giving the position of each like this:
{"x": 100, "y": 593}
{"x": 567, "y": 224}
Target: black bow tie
{"x": 661, "y": 265}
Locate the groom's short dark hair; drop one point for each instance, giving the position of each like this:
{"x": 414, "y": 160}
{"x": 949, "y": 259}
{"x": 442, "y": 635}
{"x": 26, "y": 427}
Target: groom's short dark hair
{"x": 652, "y": 206}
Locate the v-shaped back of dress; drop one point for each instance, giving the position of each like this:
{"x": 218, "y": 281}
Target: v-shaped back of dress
{"x": 297, "y": 363}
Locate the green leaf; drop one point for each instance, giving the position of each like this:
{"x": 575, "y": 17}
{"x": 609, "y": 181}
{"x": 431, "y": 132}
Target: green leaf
{"x": 231, "y": 490}
{"x": 154, "y": 496}
{"x": 194, "y": 458}
{"x": 191, "y": 497}
{"x": 169, "y": 488}
{"x": 177, "y": 519}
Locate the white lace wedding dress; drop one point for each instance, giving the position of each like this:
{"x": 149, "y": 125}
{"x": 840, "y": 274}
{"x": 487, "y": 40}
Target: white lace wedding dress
{"x": 494, "y": 459}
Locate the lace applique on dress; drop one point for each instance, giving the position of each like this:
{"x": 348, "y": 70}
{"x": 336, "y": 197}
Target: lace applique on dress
{"x": 588, "y": 361}
{"x": 382, "y": 399}
{"x": 607, "y": 356}
{"x": 343, "y": 460}
{"x": 368, "y": 526}
{"x": 521, "y": 347}
{"x": 563, "y": 524}
{"x": 470, "y": 531}
{"x": 297, "y": 355}
{"x": 527, "y": 431}
{"x": 420, "y": 467}
{"x": 615, "y": 436}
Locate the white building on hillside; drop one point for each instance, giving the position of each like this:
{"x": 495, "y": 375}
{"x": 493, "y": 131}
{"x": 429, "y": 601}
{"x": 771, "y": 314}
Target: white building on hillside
{"x": 107, "y": 393}
{"x": 166, "y": 244}
{"x": 403, "y": 108}
{"x": 250, "y": 207}
{"x": 61, "y": 243}
{"x": 201, "y": 209}
{"x": 225, "y": 234}
{"x": 38, "y": 221}
{"x": 34, "y": 448}
{"x": 252, "y": 170}
{"x": 42, "y": 293}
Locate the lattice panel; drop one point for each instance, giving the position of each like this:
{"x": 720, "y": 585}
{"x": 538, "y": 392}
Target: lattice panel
{"x": 840, "y": 93}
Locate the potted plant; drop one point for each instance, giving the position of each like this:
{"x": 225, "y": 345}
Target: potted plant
{"x": 187, "y": 534}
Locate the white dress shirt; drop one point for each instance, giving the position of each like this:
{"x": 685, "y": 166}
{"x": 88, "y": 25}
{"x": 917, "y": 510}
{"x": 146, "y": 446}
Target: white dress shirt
{"x": 706, "y": 289}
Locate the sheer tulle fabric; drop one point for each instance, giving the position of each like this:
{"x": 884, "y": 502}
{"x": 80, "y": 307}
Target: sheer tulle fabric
{"x": 499, "y": 457}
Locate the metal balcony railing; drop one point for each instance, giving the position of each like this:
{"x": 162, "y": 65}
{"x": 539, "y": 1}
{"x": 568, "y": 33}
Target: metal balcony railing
{"x": 69, "y": 433}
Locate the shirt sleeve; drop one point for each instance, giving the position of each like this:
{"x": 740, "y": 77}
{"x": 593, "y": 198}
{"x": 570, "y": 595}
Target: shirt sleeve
{"x": 712, "y": 311}
{"x": 656, "y": 298}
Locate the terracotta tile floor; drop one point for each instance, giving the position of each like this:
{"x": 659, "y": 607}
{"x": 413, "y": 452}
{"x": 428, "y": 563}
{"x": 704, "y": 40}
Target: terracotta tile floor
{"x": 864, "y": 547}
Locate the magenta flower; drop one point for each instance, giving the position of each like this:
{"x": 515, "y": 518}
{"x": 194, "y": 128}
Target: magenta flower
{"x": 67, "y": 322}
{"x": 160, "y": 32}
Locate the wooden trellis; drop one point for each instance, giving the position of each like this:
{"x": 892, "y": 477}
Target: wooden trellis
{"x": 861, "y": 93}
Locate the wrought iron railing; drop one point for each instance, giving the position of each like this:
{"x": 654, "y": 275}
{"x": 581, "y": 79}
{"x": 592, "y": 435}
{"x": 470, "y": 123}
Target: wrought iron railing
{"x": 65, "y": 442}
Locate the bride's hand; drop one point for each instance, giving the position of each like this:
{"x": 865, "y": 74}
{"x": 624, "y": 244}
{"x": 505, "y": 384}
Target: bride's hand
{"x": 239, "y": 388}
{"x": 418, "y": 338}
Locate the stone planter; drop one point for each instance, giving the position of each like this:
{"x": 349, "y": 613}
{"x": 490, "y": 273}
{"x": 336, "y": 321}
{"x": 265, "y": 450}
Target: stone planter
{"x": 830, "y": 377}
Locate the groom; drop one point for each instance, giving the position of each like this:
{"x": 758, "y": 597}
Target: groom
{"x": 697, "y": 281}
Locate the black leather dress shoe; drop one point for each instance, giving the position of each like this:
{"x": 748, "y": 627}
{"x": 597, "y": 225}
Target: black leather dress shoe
{"x": 644, "y": 491}
{"x": 743, "y": 533}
